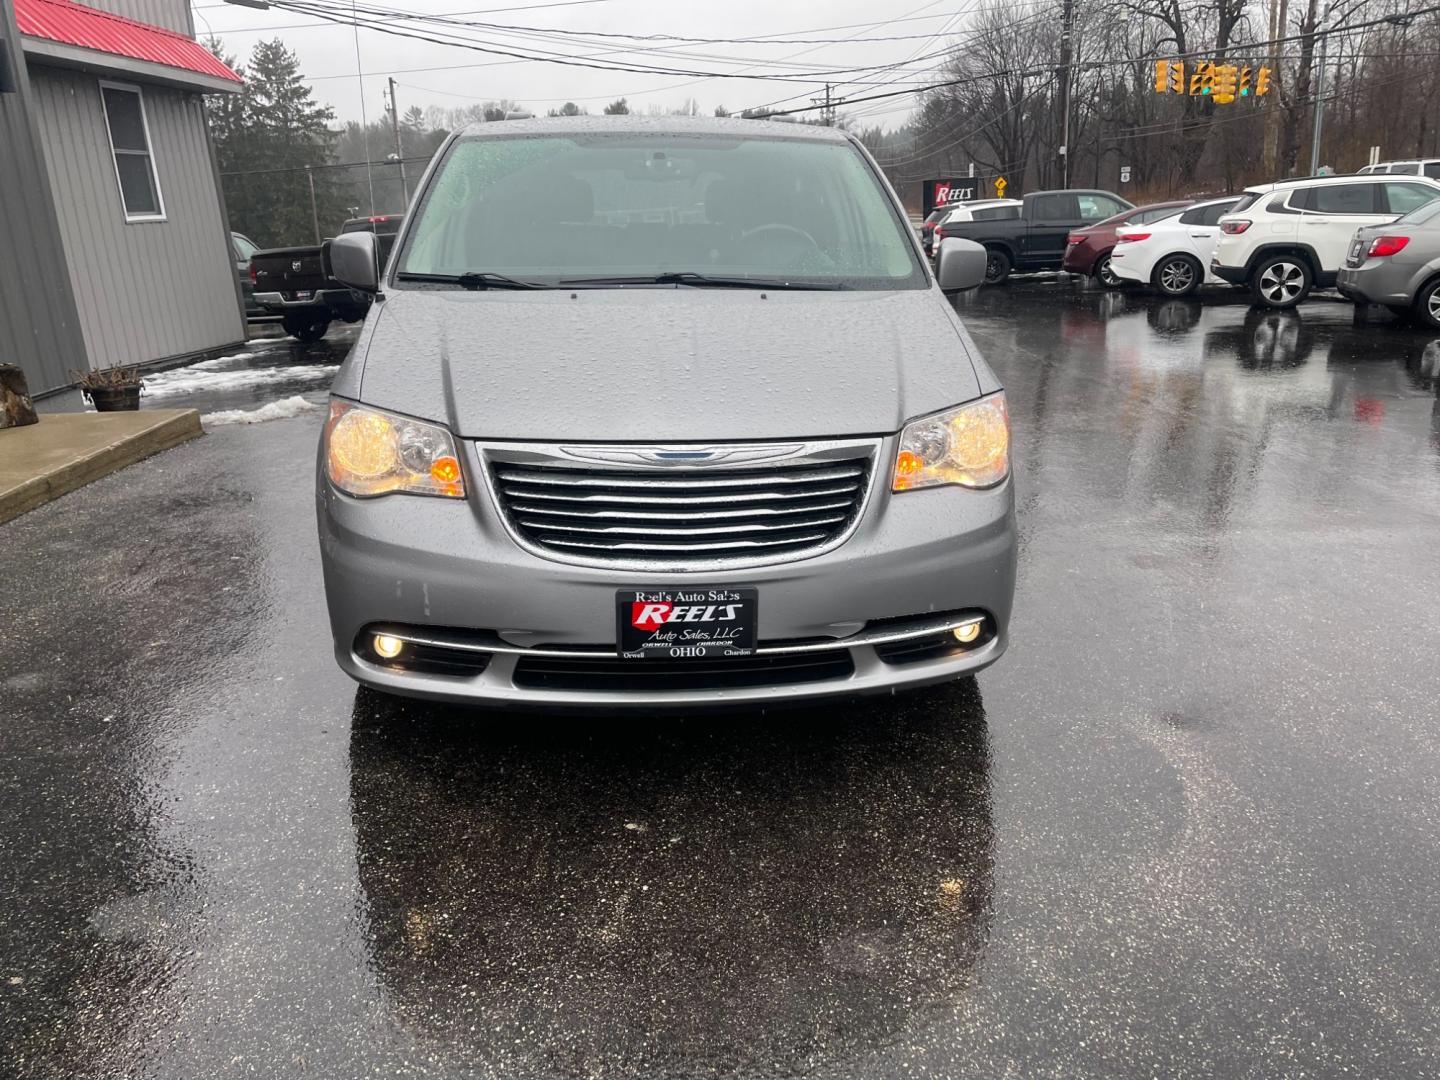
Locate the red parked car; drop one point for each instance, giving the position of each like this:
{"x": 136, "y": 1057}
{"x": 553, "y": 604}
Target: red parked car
{"x": 1087, "y": 251}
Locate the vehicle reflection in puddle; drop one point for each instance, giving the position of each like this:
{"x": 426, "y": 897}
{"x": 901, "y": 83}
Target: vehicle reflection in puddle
{"x": 766, "y": 896}
{"x": 1218, "y": 407}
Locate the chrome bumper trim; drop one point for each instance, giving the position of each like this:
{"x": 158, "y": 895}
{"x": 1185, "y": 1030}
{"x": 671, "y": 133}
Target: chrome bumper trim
{"x": 489, "y": 642}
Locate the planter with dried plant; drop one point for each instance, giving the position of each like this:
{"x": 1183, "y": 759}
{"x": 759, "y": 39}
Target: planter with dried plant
{"x": 111, "y": 389}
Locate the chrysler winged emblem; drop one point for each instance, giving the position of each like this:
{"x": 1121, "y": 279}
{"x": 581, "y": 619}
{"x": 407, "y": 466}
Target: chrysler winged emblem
{"x": 691, "y": 456}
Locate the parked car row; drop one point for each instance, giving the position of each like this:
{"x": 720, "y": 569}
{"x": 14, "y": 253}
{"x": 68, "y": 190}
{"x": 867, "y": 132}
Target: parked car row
{"x": 1374, "y": 235}
{"x": 1282, "y": 240}
{"x": 1033, "y": 233}
{"x": 1171, "y": 253}
{"x": 1089, "y": 251}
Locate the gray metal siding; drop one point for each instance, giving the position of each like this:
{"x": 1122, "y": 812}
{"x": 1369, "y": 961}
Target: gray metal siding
{"x": 171, "y": 14}
{"x": 145, "y": 290}
{"x": 39, "y": 324}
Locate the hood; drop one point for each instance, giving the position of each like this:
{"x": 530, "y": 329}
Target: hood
{"x": 665, "y": 365}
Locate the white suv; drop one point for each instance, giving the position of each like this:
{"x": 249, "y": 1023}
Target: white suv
{"x": 1281, "y": 240}
{"x": 1415, "y": 167}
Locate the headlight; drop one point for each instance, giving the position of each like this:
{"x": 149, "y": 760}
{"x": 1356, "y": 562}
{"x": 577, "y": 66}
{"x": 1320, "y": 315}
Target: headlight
{"x": 969, "y": 445}
{"x": 368, "y": 452}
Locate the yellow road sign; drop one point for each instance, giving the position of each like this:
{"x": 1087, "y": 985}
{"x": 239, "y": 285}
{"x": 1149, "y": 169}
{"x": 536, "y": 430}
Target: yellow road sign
{"x": 1000, "y": 187}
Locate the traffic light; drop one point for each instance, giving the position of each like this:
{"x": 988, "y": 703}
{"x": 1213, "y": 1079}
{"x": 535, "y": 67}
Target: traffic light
{"x": 1223, "y": 87}
{"x": 1262, "y": 82}
{"x": 1202, "y": 82}
{"x": 1245, "y": 81}
{"x": 1170, "y": 76}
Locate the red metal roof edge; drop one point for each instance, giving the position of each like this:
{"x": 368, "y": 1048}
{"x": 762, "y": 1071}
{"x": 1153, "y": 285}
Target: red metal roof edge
{"x": 69, "y": 23}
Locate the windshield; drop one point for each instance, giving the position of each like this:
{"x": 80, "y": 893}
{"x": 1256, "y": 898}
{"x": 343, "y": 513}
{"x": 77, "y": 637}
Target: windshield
{"x": 245, "y": 248}
{"x": 569, "y": 207}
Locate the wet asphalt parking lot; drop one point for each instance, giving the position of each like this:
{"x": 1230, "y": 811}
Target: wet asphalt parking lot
{"x": 1188, "y": 826}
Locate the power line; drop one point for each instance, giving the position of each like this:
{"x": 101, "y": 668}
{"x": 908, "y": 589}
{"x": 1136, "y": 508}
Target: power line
{"x": 1159, "y": 128}
{"x": 778, "y": 38}
{"x": 974, "y": 37}
{"x": 1092, "y": 65}
{"x": 378, "y": 14}
{"x": 308, "y": 7}
{"x": 480, "y": 11}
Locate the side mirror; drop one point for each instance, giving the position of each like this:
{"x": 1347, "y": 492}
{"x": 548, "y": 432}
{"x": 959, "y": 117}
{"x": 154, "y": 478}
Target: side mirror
{"x": 355, "y": 261}
{"x": 960, "y": 265}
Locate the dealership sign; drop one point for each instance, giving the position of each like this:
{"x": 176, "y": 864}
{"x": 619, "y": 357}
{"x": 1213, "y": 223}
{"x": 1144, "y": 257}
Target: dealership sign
{"x": 945, "y": 192}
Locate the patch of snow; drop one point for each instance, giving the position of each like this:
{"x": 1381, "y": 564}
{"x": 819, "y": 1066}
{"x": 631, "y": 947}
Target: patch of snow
{"x": 276, "y": 410}
{"x": 200, "y": 377}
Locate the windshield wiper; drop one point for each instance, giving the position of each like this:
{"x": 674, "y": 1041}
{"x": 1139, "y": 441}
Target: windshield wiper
{"x": 474, "y": 279}
{"x": 700, "y": 281}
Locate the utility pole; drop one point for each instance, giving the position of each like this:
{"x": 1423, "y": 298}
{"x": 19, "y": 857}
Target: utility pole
{"x": 399, "y": 147}
{"x": 1066, "y": 31}
{"x": 1319, "y": 111}
{"x": 364, "y": 120}
{"x": 827, "y": 110}
{"x": 314, "y": 211}
{"x": 1272, "y": 112}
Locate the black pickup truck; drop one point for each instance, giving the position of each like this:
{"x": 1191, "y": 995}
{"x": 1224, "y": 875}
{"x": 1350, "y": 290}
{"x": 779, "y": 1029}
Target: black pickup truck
{"x": 1036, "y": 239}
{"x": 296, "y": 284}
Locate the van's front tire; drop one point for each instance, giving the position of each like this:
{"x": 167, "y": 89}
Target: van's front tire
{"x": 1281, "y": 281}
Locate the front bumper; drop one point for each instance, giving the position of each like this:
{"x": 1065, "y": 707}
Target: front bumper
{"x": 449, "y": 570}
{"x": 1235, "y": 275}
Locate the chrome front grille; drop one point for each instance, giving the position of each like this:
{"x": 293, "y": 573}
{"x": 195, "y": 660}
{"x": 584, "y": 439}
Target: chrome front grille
{"x": 678, "y": 515}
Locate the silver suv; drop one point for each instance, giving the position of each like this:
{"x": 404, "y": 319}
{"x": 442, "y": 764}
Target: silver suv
{"x": 662, "y": 412}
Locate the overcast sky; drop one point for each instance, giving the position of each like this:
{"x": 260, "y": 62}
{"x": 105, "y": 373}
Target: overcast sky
{"x": 459, "y": 76}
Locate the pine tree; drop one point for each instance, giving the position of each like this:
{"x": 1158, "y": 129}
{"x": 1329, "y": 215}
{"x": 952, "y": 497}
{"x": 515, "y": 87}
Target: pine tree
{"x": 265, "y": 138}
{"x": 620, "y": 107}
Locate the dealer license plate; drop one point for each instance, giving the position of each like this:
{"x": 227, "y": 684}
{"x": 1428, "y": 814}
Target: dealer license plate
{"x": 690, "y": 623}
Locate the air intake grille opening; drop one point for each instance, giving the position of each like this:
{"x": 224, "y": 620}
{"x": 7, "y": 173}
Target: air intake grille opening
{"x": 615, "y": 675}
{"x": 678, "y": 517}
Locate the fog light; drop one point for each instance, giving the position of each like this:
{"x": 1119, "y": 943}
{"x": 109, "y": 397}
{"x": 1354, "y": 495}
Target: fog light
{"x": 389, "y": 647}
{"x": 968, "y": 633}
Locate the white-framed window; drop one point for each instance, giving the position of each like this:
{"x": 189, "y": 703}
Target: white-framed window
{"x": 131, "y": 148}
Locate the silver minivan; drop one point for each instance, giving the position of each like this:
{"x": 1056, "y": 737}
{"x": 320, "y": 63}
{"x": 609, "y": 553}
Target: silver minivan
{"x": 662, "y": 412}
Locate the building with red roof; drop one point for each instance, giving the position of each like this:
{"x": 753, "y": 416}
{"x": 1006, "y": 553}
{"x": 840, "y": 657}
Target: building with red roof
{"x": 109, "y": 199}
